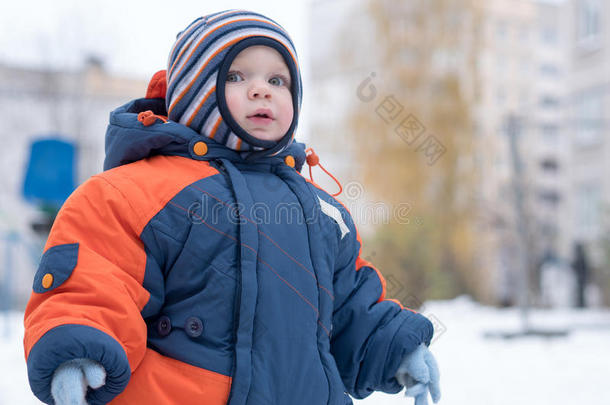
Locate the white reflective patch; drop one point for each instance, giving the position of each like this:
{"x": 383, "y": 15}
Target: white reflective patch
{"x": 335, "y": 214}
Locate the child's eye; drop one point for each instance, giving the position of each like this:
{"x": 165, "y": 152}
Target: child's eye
{"x": 278, "y": 81}
{"x": 233, "y": 77}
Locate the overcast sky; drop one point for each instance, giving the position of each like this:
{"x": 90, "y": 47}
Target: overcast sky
{"x": 132, "y": 36}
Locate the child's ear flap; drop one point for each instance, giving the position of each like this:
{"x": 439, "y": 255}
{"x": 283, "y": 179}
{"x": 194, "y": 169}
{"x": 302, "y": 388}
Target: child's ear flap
{"x": 157, "y": 87}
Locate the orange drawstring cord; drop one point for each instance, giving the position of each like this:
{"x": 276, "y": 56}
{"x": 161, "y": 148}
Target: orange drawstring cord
{"x": 313, "y": 160}
{"x": 148, "y": 118}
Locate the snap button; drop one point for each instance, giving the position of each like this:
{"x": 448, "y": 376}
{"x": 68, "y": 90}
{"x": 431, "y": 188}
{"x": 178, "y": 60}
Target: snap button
{"x": 289, "y": 160}
{"x": 164, "y": 325}
{"x": 193, "y": 327}
{"x": 200, "y": 148}
{"x": 47, "y": 280}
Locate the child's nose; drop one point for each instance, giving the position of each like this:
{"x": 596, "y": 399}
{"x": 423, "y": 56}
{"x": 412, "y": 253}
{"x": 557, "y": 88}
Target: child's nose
{"x": 259, "y": 89}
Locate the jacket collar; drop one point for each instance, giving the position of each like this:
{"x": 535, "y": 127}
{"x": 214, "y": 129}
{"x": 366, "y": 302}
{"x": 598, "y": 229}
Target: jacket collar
{"x": 128, "y": 139}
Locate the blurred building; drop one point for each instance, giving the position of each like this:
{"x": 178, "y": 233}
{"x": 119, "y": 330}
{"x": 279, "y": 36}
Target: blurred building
{"x": 548, "y": 155}
{"x": 589, "y": 147}
{"x": 524, "y": 86}
{"x": 589, "y": 111}
{"x": 72, "y": 105}
{"x": 505, "y": 85}
{"x": 522, "y": 68}
{"x": 336, "y": 72}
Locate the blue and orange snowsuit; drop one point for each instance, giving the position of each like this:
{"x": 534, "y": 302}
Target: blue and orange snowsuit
{"x": 193, "y": 276}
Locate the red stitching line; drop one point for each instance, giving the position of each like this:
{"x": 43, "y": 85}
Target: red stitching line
{"x": 258, "y": 258}
{"x": 324, "y": 327}
{"x": 272, "y": 241}
{"x": 291, "y": 286}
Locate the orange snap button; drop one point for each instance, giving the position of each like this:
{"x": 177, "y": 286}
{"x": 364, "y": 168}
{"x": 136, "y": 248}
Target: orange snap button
{"x": 289, "y": 160}
{"x": 200, "y": 148}
{"x": 47, "y": 280}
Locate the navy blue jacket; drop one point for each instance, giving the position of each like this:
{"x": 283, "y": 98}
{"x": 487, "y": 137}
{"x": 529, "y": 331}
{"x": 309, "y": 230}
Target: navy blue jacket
{"x": 194, "y": 276}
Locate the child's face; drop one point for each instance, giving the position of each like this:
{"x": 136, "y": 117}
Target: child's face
{"x": 258, "y": 84}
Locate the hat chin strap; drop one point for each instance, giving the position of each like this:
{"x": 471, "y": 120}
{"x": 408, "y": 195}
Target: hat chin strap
{"x": 282, "y": 144}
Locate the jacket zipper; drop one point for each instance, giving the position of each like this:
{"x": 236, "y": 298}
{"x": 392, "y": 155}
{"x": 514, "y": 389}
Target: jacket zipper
{"x": 217, "y": 163}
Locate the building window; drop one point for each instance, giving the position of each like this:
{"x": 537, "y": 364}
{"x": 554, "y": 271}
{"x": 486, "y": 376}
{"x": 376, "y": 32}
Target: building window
{"x": 549, "y": 70}
{"x": 589, "y": 118}
{"x": 550, "y": 133}
{"x": 549, "y": 165}
{"x": 589, "y": 20}
{"x": 587, "y": 207}
{"x": 550, "y": 197}
{"x": 549, "y": 101}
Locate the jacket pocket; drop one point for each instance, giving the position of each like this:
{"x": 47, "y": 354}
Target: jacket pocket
{"x": 56, "y": 266}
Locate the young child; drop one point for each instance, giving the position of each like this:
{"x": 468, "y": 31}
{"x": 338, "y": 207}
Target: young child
{"x": 201, "y": 267}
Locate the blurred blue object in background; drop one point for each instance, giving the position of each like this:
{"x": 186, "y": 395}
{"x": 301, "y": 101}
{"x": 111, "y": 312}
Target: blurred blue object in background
{"x": 50, "y": 174}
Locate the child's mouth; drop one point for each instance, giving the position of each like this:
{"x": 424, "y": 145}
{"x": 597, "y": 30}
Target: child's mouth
{"x": 260, "y": 119}
{"x": 261, "y": 116}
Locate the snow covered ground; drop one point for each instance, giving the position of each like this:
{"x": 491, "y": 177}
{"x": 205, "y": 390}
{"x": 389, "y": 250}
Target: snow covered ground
{"x": 474, "y": 369}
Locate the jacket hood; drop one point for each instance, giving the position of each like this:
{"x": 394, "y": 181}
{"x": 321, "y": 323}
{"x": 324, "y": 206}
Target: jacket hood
{"x": 128, "y": 139}
{"x": 197, "y": 70}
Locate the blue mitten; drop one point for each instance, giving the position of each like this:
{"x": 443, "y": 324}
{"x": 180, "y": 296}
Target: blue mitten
{"x": 419, "y": 373}
{"x": 71, "y": 379}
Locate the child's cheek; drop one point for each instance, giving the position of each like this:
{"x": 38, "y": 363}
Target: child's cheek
{"x": 233, "y": 102}
{"x": 287, "y": 114}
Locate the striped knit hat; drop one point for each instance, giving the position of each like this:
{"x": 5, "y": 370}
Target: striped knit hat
{"x": 197, "y": 68}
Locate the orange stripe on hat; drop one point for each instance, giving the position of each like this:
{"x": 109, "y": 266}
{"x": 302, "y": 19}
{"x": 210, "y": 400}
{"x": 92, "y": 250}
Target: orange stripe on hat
{"x": 215, "y": 128}
{"x": 194, "y": 27}
{"x": 200, "y": 71}
{"x": 214, "y": 30}
{"x": 202, "y": 68}
{"x": 190, "y": 41}
{"x": 201, "y": 103}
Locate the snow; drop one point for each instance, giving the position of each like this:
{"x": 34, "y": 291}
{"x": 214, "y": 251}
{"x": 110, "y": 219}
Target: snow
{"x": 474, "y": 369}
{"x": 14, "y": 387}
